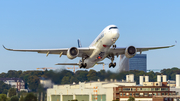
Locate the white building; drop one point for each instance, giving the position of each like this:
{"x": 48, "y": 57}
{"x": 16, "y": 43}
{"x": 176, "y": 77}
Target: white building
{"x": 91, "y": 91}
{"x": 176, "y": 86}
{"x": 14, "y": 82}
{"x": 47, "y": 83}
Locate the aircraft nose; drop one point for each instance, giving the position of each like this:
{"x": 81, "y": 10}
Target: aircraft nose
{"x": 115, "y": 33}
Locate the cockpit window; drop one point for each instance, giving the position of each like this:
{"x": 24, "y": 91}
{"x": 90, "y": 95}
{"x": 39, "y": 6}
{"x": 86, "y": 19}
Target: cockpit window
{"x": 113, "y": 28}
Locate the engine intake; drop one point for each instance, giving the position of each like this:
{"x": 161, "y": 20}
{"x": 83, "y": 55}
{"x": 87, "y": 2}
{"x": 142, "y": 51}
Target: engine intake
{"x": 130, "y": 52}
{"x": 72, "y": 52}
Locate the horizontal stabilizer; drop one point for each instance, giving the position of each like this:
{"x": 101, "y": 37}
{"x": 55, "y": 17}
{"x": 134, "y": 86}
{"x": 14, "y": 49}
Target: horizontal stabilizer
{"x": 67, "y": 64}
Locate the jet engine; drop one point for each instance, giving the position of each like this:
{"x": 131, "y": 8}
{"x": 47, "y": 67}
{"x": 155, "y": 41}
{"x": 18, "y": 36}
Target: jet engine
{"x": 72, "y": 52}
{"x": 130, "y": 52}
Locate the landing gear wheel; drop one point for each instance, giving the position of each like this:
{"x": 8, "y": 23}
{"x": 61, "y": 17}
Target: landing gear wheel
{"x": 110, "y": 65}
{"x": 111, "y": 56}
{"x": 83, "y": 65}
{"x": 114, "y": 46}
{"x": 114, "y": 65}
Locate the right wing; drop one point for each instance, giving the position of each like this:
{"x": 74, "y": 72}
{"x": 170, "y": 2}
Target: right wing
{"x": 62, "y": 51}
{"x": 121, "y": 50}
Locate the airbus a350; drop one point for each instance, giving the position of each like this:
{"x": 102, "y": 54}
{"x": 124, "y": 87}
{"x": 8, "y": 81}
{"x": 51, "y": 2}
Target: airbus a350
{"x": 102, "y": 47}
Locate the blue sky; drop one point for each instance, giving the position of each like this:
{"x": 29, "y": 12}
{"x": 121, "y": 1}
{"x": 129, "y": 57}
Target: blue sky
{"x": 47, "y": 24}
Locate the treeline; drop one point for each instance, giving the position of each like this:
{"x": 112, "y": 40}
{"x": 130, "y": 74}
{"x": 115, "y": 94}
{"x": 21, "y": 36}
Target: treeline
{"x": 32, "y": 80}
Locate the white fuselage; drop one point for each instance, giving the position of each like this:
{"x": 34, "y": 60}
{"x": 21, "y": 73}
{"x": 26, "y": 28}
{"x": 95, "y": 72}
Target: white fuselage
{"x": 102, "y": 45}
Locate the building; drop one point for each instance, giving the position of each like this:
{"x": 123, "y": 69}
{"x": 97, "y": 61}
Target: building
{"x": 47, "y": 83}
{"x": 161, "y": 90}
{"x": 86, "y": 91}
{"x": 175, "y": 86}
{"x": 14, "y": 82}
{"x": 138, "y": 62}
{"x": 142, "y": 93}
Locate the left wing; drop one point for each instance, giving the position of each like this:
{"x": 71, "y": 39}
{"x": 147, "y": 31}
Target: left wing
{"x": 67, "y": 64}
{"x": 62, "y": 51}
{"x": 121, "y": 50}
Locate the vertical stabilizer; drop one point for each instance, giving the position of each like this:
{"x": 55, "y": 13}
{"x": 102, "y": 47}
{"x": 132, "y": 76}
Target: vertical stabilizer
{"x": 79, "y": 43}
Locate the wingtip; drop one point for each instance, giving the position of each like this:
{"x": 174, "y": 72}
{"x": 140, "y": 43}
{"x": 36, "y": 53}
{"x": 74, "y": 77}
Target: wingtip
{"x": 175, "y": 43}
{"x": 4, "y": 47}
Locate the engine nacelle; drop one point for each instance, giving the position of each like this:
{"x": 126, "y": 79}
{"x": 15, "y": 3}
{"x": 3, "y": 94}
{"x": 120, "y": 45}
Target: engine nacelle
{"x": 130, "y": 52}
{"x": 72, "y": 52}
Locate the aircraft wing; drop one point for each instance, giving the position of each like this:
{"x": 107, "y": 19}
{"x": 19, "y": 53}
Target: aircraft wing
{"x": 62, "y": 51}
{"x": 75, "y": 63}
{"x": 67, "y": 64}
{"x": 121, "y": 50}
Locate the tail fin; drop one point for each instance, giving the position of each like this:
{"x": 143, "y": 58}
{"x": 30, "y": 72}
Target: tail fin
{"x": 79, "y": 43}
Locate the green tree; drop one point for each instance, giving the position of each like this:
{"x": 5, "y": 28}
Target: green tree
{"x": 57, "y": 76}
{"x": 21, "y": 98}
{"x": 30, "y": 97}
{"x": 73, "y": 79}
{"x": 3, "y": 97}
{"x": 23, "y": 94}
{"x": 131, "y": 98}
{"x": 5, "y": 91}
{"x": 102, "y": 74}
{"x": 14, "y": 98}
{"x": 3, "y": 75}
{"x": 92, "y": 75}
{"x": 12, "y": 92}
{"x": 65, "y": 80}
{"x": 4, "y": 87}
{"x": 40, "y": 88}
{"x": 81, "y": 75}
{"x": 13, "y": 74}
{"x": 33, "y": 82}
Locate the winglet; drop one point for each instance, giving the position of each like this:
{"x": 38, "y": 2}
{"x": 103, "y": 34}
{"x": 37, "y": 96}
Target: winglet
{"x": 5, "y": 47}
{"x": 174, "y": 44}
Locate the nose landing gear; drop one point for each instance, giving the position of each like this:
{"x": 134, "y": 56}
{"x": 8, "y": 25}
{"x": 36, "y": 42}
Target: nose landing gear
{"x": 114, "y": 46}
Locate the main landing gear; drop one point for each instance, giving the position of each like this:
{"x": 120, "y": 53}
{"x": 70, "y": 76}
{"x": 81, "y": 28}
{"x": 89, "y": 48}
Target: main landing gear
{"x": 82, "y": 64}
{"x": 112, "y": 64}
{"x": 112, "y": 59}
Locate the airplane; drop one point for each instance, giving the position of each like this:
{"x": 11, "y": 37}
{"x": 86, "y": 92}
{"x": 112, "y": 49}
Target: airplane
{"x": 102, "y": 47}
